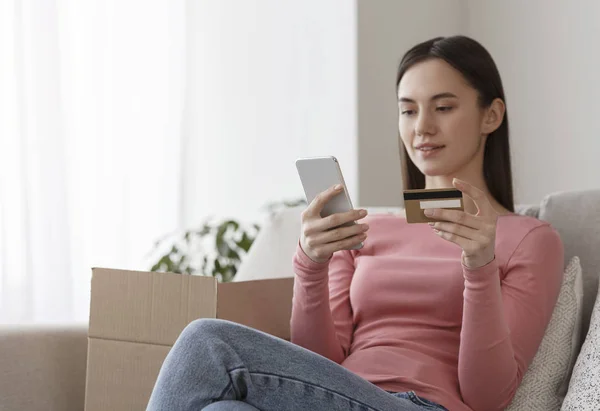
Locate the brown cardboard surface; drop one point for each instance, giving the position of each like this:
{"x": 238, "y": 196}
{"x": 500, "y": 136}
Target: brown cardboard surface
{"x": 261, "y": 304}
{"x": 123, "y": 374}
{"x": 147, "y": 307}
{"x": 135, "y": 317}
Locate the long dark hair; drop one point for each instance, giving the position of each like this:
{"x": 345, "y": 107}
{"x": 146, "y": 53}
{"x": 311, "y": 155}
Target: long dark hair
{"x": 476, "y": 65}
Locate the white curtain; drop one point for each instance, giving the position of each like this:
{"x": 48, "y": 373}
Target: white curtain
{"x": 91, "y": 102}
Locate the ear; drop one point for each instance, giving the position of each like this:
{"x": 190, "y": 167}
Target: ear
{"x": 493, "y": 116}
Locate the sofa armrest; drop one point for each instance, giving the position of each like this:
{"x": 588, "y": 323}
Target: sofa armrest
{"x": 43, "y": 367}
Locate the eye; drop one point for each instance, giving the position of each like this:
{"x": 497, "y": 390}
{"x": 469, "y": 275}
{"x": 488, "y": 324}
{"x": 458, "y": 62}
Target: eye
{"x": 444, "y": 108}
{"x": 408, "y": 112}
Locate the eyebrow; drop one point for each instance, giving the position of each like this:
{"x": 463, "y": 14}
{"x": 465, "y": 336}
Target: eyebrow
{"x": 435, "y": 97}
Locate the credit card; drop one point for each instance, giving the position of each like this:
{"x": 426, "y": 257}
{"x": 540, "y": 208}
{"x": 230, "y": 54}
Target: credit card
{"x": 417, "y": 201}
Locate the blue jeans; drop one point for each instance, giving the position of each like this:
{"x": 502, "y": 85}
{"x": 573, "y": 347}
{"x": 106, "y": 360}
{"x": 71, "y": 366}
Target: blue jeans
{"x": 218, "y": 365}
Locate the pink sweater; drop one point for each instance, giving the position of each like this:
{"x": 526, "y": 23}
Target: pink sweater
{"x": 405, "y": 314}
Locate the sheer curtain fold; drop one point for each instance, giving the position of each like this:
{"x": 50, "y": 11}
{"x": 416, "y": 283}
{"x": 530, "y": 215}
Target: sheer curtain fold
{"x": 91, "y": 99}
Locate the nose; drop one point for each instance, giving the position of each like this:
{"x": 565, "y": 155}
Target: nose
{"x": 425, "y": 124}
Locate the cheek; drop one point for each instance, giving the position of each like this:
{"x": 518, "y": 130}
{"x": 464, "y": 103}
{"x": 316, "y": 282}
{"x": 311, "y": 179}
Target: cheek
{"x": 460, "y": 128}
{"x": 405, "y": 130}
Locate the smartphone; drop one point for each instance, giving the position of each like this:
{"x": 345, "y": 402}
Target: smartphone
{"x": 318, "y": 174}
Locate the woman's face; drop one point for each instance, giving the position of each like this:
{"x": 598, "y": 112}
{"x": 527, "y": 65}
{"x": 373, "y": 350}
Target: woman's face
{"x": 440, "y": 120}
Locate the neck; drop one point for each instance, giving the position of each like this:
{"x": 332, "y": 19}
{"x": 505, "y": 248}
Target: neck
{"x": 472, "y": 174}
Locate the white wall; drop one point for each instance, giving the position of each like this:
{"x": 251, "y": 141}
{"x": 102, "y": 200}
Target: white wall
{"x": 549, "y": 64}
{"x": 386, "y": 30}
{"x": 268, "y": 81}
{"x": 549, "y": 60}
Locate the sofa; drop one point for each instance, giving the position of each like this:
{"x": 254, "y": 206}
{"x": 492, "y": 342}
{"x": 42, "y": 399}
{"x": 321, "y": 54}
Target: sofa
{"x": 44, "y": 367}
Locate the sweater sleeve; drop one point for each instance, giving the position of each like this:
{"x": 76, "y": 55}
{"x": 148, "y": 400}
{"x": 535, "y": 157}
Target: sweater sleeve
{"x": 321, "y": 312}
{"x": 504, "y": 320}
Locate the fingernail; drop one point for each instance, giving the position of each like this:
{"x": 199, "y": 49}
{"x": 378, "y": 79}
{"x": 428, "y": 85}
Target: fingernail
{"x": 428, "y": 212}
{"x": 363, "y": 213}
{"x": 431, "y": 224}
{"x": 337, "y": 187}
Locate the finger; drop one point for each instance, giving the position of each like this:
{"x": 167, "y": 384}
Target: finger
{"x": 463, "y": 242}
{"x": 316, "y": 206}
{"x": 323, "y": 224}
{"x": 339, "y": 233}
{"x": 455, "y": 216}
{"x": 345, "y": 244}
{"x": 480, "y": 199}
{"x": 338, "y": 219}
{"x": 461, "y": 230}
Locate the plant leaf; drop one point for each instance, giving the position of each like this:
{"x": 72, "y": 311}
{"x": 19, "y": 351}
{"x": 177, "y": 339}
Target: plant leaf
{"x": 245, "y": 242}
{"x": 233, "y": 254}
{"x": 217, "y": 269}
{"x": 204, "y": 265}
{"x": 205, "y": 230}
{"x": 220, "y": 243}
{"x": 162, "y": 264}
{"x": 232, "y": 223}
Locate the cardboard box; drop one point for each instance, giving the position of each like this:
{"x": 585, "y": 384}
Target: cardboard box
{"x": 135, "y": 318}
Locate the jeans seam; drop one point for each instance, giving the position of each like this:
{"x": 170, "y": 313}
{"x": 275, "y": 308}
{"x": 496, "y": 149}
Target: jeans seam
{"x": 294, "y": 379}
{"x": 230, "y": 383}
{"x": 236, "y": 368}
{"x": 417, "y": 400}
{"x": 227, "y": 388}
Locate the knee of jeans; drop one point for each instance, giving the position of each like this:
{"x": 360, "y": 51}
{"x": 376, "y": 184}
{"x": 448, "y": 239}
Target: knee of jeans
{"x": 204, "y": 329}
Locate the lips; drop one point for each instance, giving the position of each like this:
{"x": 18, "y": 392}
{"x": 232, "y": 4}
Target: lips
{"x": 427, "y": 150}
{"x": 428, "y": 146}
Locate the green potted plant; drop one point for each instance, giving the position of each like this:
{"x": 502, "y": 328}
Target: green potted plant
{"x": 216, "y": 248}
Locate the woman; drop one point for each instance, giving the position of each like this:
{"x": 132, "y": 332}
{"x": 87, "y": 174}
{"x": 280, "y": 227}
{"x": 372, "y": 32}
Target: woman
{"x": 423, "y": 317}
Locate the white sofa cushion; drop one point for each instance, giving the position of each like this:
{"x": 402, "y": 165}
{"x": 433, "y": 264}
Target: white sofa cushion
{"x": 584, "y": 388}
{"x": 271, "y": 253}
{"x": 545, "y": 382}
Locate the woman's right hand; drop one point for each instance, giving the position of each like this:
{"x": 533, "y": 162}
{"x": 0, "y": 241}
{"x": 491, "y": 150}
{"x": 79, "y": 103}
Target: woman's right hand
{"x": 321, "y": 237}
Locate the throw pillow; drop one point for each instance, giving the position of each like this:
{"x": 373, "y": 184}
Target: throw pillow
{"x": 584, "y": 388}
{"x": 550, "y": 369}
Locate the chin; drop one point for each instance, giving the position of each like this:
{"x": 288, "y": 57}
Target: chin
{"x": 434, "y": 170}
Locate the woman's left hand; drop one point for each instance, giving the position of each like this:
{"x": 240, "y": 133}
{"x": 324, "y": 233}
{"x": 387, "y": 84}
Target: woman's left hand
{"x": 475, "y": 234}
